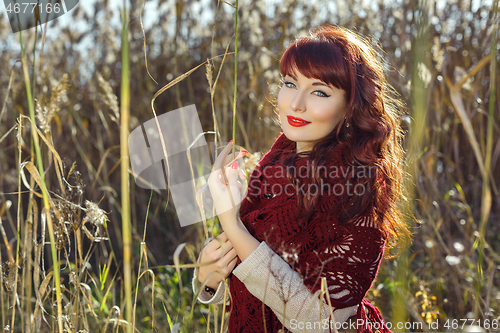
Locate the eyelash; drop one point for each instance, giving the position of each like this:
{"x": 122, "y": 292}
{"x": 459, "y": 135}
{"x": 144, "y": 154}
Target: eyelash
{"x": 324, "y": 95}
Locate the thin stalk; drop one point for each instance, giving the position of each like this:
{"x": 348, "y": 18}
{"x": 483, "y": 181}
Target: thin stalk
{"x": 125, "y": 186}
{"x": 19, "y": 209}
{"x": 18, "y": 235}
{"x": 143, "y": 245}
{"x": 34, "y": 62}
{"x": 486, "y": 199}
{"x": 235, "y": 70}
{"x": 46, "y": 203}
{"x": 1, "y": 294}
{"x": 417, "y": 135}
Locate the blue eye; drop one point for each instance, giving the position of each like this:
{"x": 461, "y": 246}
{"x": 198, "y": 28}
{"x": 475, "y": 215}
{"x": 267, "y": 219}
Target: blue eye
{"x": 292, "y": 85}
{"x": 322, "y": 93}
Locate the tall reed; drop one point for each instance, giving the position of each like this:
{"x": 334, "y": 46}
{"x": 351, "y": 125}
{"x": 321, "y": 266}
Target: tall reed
{"x": 420, "y": 63}
{"x": 486, "y": 198}
{"x": 456, "y": 160}
{"x": 125, "y": 177}
{"x": 235, "y": 72}
{"x": 46, "y": 203}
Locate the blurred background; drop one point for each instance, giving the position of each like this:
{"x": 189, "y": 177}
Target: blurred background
{"x": 441, "y": 56}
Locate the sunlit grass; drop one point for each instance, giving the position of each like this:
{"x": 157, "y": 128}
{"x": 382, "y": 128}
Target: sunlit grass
{"x": 62, "y": 175}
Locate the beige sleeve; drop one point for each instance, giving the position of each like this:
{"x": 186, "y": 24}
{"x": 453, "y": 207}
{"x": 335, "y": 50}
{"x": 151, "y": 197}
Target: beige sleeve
{"x": 269, "y": 278}
{"x": 205, "y": 297}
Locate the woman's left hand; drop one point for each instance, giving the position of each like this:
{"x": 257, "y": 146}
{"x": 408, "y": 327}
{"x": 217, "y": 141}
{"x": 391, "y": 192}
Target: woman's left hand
{"x": 225, "y": 186}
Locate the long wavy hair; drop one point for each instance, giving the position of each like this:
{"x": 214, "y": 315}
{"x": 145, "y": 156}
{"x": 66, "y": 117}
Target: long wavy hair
{"x": 370, "y": 130}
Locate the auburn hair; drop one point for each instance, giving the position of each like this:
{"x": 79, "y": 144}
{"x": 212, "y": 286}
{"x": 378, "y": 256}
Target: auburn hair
{"x": 371, "y": 129}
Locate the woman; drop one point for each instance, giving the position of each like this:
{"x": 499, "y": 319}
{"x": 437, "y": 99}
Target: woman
{"x": 306, "y": 243}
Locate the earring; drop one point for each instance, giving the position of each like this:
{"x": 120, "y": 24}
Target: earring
{"x": 346, "y": 124}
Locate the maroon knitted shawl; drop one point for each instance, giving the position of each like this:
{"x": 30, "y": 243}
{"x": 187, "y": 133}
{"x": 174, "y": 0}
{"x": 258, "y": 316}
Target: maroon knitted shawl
{"x": 269, "y": 213}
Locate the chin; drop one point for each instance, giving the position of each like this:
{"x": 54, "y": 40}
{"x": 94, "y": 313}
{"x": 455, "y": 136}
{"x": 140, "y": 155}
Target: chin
{"x": 290, "y": 136}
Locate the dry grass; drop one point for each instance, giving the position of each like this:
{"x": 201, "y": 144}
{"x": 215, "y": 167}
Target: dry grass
{"x": 60, "y": 185}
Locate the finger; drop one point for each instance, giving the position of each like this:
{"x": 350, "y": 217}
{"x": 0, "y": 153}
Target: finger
{"x": 232, "y": 174}
{"x": 216, "y": 243}
{"x": 244, "y": 195}
{"x": 232, "y": 263}
{"x": 225, "y": 248}
{"x": 221, "y": 242}
{"x": 229, "y": 158}
{"x": 223, "y": 245}
{"x": 221, "y": 252}
{"x": 227, "y": 164}
{"x": 228, "y": 258}
{"x": 218, "y": 163}
{"x": 223, "y": 236}
{"x": 242, "y": 174}
{"x": 231, "y": 255}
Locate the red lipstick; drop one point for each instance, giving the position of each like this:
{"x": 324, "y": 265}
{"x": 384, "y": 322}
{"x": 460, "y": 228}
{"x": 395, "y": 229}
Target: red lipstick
{"x": 297, "y": 122}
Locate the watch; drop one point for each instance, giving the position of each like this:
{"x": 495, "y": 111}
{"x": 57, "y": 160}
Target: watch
{"x": 209, "y": 290}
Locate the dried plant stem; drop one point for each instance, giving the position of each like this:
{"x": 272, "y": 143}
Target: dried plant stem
{"x": 125, "y": 186}
{"x": 18, "y": 236}
{"x": 6, "y": 98}
{"x": 34, "y": 62}
{"x": 419, "y": 111}
{"x": 2, "y": 296}
{"x": 223, "y": 308}
{"x": 486, "y": 200}
{"x": 46, "y": 203}
{"x": 139, "y": 274}
{"x": 235, "y": 71}
{"x": 144, "y": 41}
{"x": 456, "y": 99}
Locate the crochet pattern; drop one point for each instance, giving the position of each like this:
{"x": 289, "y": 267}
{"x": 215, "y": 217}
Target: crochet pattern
{"x": 348, "y": 256}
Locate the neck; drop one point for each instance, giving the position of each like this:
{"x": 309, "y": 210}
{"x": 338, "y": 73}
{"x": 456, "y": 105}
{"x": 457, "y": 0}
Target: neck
{"x": 302, "y": 147}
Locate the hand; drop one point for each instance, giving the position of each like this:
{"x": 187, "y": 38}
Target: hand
{"x": 224, "y": 185}
{"x": 222, "y": 249}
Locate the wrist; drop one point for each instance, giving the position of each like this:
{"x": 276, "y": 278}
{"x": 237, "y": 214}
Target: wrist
{"x": 213, "y": 286}
{"x": 232, "y": 224}
{"x": 209, "y": 283}
{"x": 243, "y": 241}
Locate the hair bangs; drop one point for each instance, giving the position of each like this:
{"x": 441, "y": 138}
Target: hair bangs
{"x": 317, "y": 58}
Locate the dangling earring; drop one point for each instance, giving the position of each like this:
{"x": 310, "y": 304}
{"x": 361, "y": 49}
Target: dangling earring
{"x": 346, "y": 124}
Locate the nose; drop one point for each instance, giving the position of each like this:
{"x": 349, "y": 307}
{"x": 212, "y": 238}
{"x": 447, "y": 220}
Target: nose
{"x": 298, "y": 103}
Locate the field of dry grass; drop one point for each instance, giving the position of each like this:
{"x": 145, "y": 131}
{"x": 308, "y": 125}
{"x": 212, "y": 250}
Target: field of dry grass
{"x": 85, "y": 250}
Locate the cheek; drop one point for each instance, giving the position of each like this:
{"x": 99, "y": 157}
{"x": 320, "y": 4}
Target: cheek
{"x": 328, "y": 116}
{"x": 325, "y": 117}
{"x": 282, "y": 101}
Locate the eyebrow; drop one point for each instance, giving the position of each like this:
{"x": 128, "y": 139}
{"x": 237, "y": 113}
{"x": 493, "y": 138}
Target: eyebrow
{"x": 314, "y": 84}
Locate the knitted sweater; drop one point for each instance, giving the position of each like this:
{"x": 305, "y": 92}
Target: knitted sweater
{"x": 279, "y": 283}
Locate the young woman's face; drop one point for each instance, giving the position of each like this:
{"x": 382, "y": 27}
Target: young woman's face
{"x": 320, "y": 105}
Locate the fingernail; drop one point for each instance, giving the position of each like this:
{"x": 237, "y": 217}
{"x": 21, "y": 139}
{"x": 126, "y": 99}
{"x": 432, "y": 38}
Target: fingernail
{"x": 234, "y": 165}
{"x": 244, "y": 152}
{"x": 230, "y": 141}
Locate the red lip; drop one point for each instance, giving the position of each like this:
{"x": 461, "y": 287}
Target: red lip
{"x": 297, "y": 122}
